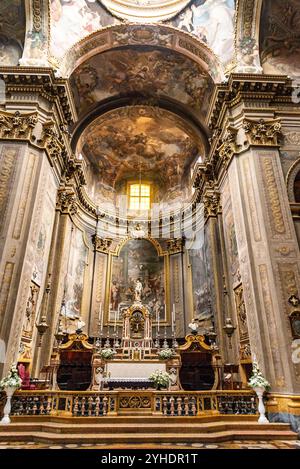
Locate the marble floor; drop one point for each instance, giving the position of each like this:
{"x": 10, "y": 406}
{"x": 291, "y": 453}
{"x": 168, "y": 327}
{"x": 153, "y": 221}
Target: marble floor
{"x": 226, "y": 445}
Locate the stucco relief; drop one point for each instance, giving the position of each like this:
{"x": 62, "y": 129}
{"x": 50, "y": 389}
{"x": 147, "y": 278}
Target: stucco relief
{"x": 248, "y": 180}
{"x": 28, "y": 264}
{"x": 27, "y": 186}
{"x": 9, "y": 155}
{"x": 274, "y": 205}
{"x": 97, "y": 314}
{"x": 5, "y": 288}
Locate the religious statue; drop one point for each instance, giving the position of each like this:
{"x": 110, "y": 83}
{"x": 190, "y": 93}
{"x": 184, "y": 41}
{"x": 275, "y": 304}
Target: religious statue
{"x": 138, "y": 290}
{"x": 194, "y": 326}
{"x": 80, "y": 324}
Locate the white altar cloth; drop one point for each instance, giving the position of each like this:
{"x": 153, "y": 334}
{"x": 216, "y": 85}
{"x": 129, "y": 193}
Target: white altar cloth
{"x": 136, "y": 369}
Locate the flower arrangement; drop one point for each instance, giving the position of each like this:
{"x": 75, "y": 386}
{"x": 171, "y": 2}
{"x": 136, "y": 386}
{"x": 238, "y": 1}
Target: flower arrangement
{"x": 107, "y": 353}
{"x": 257, "y": 380}
{"x": 161, "y": 379}
{"x": 12, "y": 380}
{"x": 165, "y": 354}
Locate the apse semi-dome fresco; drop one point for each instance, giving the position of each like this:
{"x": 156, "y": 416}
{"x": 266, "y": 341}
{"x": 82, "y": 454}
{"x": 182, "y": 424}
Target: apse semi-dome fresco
{"x": 135, "y": 142}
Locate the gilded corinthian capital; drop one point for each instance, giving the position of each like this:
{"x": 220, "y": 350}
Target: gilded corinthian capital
{"x": 211, "y": 201}
{"x": 101, "y": 244}
{"x": 262, "y": 133}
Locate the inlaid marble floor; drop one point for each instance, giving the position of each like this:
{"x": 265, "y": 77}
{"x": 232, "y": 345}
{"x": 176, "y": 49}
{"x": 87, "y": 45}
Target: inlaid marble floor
{"x": 232, "y": 445}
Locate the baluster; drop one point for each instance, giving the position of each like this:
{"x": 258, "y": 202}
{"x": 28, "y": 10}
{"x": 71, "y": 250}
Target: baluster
{"x": 105, "y": 405}
{"x": 186, "y": 405}
{"x": 172, "y": 405}
{"x": 194, "y": 408}
{"x": 90, "y": 405}
{"x": 83, "y": 406}
{"x": 253, "y": 405}
{"x": 179, "y": 404}
{"x": 165, "y": 405}
{"x": 49, "y": 403}
{"x": 97, "y": 406}
{"x": 75, "y": 408}
{"x": 43, "y": 403}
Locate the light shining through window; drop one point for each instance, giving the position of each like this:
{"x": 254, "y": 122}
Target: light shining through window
{"x": 139, "y": 196}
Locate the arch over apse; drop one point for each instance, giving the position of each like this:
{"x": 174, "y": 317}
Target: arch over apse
{"x": 146, "y": 35}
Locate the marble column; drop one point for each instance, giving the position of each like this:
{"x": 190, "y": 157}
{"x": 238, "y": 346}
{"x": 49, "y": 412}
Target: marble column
{"x": 268, "y": 250}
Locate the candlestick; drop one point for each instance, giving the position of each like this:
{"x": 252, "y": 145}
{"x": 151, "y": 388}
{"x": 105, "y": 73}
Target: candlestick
{"x": 115, "y": 325}
{"x": 173, "y": 318}
{"x": 157, "y": 319}
{"x": 100, "y": 317}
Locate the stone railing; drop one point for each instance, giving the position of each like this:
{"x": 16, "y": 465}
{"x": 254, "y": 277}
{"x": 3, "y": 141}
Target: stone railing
{"x": 96, "y": 404}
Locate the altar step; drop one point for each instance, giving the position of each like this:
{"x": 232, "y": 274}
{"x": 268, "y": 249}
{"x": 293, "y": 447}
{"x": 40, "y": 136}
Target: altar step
{"x": 142, "y": 430}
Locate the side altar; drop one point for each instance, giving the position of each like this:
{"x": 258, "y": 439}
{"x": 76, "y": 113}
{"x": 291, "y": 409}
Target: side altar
{"x": 132, "y": 360}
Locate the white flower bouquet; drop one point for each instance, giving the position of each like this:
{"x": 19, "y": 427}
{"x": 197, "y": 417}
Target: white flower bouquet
{"x": 257, "y": 380}
{"x": 107, "y": 353}
{"x": 161, "y": 379}
{"x": 165, "y": 354}
{"x": 12, "y": 380}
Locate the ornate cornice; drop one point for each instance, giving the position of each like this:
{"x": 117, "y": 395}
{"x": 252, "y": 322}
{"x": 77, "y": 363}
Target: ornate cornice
{"x": 262, "y": 133}
{"x": 101, "y": 244}
{"x": 41, "y": 81}
{"x": 52, "y": 139}
{"x": 249, "y": 89}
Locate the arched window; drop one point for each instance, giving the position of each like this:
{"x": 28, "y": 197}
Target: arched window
{"x": 297, "y": 188}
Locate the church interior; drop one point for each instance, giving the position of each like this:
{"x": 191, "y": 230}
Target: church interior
{"x": 150, "y": 223}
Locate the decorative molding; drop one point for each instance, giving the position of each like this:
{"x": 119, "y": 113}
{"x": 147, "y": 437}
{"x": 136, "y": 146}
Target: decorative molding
{"x": 150, "y": 35}
{"x": 101, "y": 244}
{"x": 36, "y": 15}
{"x": 272, "y": 197}
{"x": 262, "y": 133}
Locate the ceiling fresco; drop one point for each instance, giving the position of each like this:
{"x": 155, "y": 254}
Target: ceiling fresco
{"x": 144, "y": 10}
{"x": 12, "y": 31}
{"x": 280, "y": 37}
{"x": 211, "y": 21}
{"x": 139, "y": 142}
{"x": 147, "y": 71}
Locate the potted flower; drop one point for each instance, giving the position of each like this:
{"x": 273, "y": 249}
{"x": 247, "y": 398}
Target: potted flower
{"x": 259, "y": 384}
{"x": 166, "y": 354}
{"x": 107, "y": 353}
{"x": 9, "y": 384}
{"x": 160, "y": 379}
